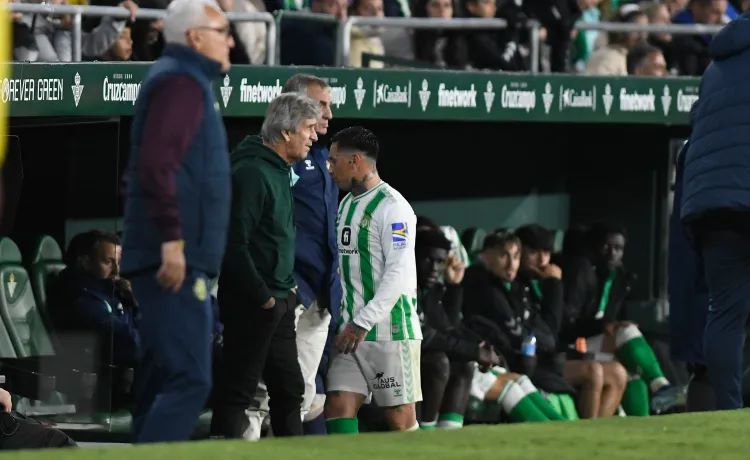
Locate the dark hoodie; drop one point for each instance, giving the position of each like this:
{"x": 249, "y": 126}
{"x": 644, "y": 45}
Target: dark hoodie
{"x": 259, "y": 258}
{"x": 716, "y": 181}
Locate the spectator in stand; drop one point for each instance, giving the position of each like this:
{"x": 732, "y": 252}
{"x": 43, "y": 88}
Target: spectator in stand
{"x": 448, "y": 349}
{"x": 238, "y": 54}
{"x": 658, "y": 13}
{"x": 148, "y": 39}
{"x": 319, "y": 38}
{"x": 122, "y": 48}
{"x": 675, "y": 6}
{"x": 366, "y": 39}
{"x": 691, "y": 52}
{"x": 645, "y": 60}
{"x": 585, "y": 40}
{"x": 612, "y": 59}
{"x": 443, "y": 48}
{"x": 557, "y": 17}
{"x": 494, "y": 49}
{"x": 251, "y": 34}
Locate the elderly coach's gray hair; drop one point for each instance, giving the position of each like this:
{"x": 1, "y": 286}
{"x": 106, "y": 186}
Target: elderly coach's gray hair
{"x": 183, "y": 15}
{"x": 285, "y": 113}
{"x": 299, "y": 83}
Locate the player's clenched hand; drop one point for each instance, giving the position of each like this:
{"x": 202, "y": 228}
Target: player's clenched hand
{"x": 349, "y": 339}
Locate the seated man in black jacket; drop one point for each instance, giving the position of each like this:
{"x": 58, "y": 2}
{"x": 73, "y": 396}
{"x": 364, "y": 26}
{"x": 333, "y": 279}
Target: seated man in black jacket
{"x": 596, "y": 288}
{"x": 92, "y": 309}
{"x": 448, "y": 350}
{"x": 600, "y": 384}
{"x": 493, "y": 295}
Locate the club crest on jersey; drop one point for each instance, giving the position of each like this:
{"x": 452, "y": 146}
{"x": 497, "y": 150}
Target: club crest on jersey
{"x": 399, "y": 235}
{"x": 365, "y": 222}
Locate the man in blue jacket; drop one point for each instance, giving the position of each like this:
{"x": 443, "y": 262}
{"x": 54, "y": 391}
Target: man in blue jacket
{"x": 316, "y": 200}
{"x": 715, "y": 204}
{"x": 176, "y": 218}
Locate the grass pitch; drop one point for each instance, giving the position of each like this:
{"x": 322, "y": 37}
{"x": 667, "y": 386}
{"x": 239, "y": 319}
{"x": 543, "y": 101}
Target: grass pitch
{"x": 704, "y": 436}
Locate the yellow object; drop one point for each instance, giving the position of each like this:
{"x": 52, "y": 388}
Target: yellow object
{"x": 78, "y": 2}
{"x": 5, "y": 56}
{"x": 200, "y": 289}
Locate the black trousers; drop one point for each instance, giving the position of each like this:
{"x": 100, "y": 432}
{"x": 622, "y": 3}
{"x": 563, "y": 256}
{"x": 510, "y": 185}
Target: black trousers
{"x": 18, "y": 432}
{"x": 445, "y": 385}
{"x": 258, "y": 344}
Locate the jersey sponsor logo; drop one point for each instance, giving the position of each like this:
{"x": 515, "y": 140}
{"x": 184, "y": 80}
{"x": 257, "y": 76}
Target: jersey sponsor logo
{"x": 346, "y": 236}
{"x": 399, "y": 235}
{"x": 383, "y": 383}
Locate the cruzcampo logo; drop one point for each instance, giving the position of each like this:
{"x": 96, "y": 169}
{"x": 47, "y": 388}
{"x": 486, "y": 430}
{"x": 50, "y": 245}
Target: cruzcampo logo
{"x": 226, "y": 91}
{"x": 77, "y": 89}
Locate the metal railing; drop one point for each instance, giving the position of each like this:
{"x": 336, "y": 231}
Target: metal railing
{"x": 673, "y": 29}
{"x": 77, "y": 12}
{"x": 343, "y": 39}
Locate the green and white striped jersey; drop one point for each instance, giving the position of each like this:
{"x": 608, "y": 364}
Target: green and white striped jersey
{"x": 376, "y": 232}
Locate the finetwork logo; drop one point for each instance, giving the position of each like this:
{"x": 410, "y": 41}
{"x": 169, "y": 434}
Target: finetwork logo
{"x": 359, "y": 93}
{"x": 77, "y": 89}
{"x": 489, "y": 96}
{"x": 548, "y": 97}
{"x": 424, "y": 95}
{"x": 226, "y": 91}
{"x": 666, "y": 100}
{"x": 608, "y": 98}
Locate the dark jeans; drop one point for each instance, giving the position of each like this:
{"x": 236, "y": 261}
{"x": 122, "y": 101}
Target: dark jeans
{"x": 259, "y": 344}
{"x": 174, "y": 377}
{"x": 726, "y": 256}
{"x": 18, "y": 432}
{"x": 445, "y": 385}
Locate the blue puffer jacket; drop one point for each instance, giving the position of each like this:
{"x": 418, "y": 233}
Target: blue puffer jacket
{"x": 717, "y": 165}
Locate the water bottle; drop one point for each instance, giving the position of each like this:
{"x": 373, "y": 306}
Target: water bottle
{"x": 528, "y": 347}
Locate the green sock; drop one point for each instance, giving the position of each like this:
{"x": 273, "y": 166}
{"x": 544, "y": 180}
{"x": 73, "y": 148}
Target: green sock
{"x": 564, "y": 404}
{"x": 518, "y": 406}
{"x": 638, "y": 357}
{"x": 450, "y": 421}
{"x": 342, "y": 425}
{"x": 539, "y": 401}
{"x": 635, "y": 400}
{"x": 428, "y": 426}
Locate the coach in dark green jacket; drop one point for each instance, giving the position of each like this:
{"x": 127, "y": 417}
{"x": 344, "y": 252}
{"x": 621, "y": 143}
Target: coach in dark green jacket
{"x": 256, "y": 288}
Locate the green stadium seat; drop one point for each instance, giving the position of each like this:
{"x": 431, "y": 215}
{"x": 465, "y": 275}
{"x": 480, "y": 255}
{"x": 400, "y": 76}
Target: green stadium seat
{"x": 18, "y": 309}
{"x": 473, "y": 239}
{"x": 46, "y": 261}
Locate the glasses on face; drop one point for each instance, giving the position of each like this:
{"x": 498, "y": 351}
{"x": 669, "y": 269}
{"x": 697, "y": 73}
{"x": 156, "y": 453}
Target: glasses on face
{"x": 225, "y": 31}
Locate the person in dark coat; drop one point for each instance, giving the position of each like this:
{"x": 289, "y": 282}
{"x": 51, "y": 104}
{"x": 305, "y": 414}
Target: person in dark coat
{"x": 176, "y": 218}
{"x": 257, "y": 289}
{"x": 443, "y": 48}
{"x": 715, "y": 205}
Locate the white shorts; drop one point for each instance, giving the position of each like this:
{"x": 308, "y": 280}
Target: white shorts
{"x": 386, "y": 371}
